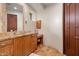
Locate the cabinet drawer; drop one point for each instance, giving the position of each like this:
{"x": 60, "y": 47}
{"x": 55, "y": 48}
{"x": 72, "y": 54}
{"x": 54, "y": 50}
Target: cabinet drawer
{"x": 6, "y": 51}
{"x": 6, "y": 42}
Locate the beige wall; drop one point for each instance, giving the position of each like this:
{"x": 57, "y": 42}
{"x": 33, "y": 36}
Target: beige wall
{"x": 53, "y": 26}
{"x": 3, "y": 17}
{"x": 31, "y": 25}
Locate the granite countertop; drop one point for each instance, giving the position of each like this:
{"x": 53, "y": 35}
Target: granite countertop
{"x": 10, "y": 35}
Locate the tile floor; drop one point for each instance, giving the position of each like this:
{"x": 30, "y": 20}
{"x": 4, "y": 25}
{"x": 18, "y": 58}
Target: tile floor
{"x": 47, "y": 51}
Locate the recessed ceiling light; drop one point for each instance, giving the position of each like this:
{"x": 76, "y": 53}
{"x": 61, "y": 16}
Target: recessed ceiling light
{"x": 15, "y": 8}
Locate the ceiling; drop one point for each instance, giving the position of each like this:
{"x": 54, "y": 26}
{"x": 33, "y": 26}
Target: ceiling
{"x": 14, "y": 7}
{"x": 45, "y": 5}
{"x": 39, "y": 6}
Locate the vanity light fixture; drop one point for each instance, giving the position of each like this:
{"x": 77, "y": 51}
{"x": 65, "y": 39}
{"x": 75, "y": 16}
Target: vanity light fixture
{"x": 15, "y": 8}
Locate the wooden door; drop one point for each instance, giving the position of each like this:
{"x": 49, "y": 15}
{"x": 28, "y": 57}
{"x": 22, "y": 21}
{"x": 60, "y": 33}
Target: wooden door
{"x": 71, "y": 28}
{"x": 77, "y": 29}
{"x": 70, "y": 41}
{"x": 26, "y": 45}
{"x": 33, "y": 42}
{"x": 11, "y": 22}
{"x": 29, "y": 44}
{"x": 18, "y": 46}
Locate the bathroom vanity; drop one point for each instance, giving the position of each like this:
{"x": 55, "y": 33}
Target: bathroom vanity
{"x": 19, "y": 19}
{"x": 18, "y": 45}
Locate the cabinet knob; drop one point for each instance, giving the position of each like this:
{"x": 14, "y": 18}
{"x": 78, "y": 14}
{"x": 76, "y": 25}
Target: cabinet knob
{"x": 32, "y": 35}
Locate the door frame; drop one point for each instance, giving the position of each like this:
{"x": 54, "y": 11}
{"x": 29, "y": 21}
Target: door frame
{"x": 64, "y": 28}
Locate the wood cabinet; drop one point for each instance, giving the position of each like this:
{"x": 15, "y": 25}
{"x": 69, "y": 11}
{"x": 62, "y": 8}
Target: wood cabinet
{"x": 25, "y": 45}
{"x": 33, "y": 42}
{"x": 40, "y": 39}
{"x": 29, "y": 44}
{"x": 6, "y": 48}
{"x": 18, "y": 45}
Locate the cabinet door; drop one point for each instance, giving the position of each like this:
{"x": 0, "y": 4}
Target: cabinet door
{"x": 6, "y": 51}
{"x": 33, "y": 42}
{"x": 26, "y": 45}
{"x": 6, "y": 48}
{"x": 18, "y": 46}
